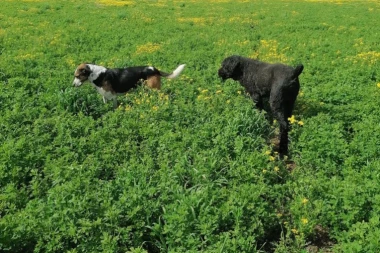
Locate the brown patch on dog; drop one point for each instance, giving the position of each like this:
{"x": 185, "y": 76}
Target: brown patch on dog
{"x": 107, "y": 87}
{"x": 82, "y": 66}
{"x": 82, "y": 72}
{"x": 154, "y": 82}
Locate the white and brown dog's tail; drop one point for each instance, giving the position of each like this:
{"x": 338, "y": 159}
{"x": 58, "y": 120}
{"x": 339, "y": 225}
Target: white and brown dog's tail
{"x": 154, "y": 79}
{"x": 175, "y": 73}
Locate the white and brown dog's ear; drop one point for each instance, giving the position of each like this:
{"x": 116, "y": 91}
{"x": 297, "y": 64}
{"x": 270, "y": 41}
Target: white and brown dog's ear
{"x": 83, "y": 69}
{"x": 81, "y": 74}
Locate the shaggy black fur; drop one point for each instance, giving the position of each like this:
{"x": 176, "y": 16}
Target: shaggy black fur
{"x": 276, "y": 82}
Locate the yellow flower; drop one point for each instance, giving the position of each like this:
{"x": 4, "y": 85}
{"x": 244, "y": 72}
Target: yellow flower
{"x": 292, "y": 120}
{"x": 155, "y": 108}
{"x": 115, "y": 3}
{"x": 378, "y": 85}
{"x": 268, "y": 152}
{"x": 228, "y": 101}
{"x": 304, "y": 201}
{"x": 264, "y": 171}
{"x": 300, "y": 123}
{"x": 304, "y": 220}
{"x": 279, "y": 215}
{"x": 204, "y": 91}
{"x": 128, "y": 108}
{"x": 239, "y": 92}
{"x": 276, "y": 169}
{"x": 147, "y": 48}
{"x": 218, "y": 91}
{"x": 271, "y": 158}
{"x": 295, "y": 231}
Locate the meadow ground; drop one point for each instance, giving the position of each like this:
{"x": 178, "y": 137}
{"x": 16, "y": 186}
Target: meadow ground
{"x": 189, "y": 168}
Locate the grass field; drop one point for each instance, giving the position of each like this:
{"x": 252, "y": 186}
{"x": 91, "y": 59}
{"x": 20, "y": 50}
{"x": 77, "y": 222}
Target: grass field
{"x": 190, "y": 168}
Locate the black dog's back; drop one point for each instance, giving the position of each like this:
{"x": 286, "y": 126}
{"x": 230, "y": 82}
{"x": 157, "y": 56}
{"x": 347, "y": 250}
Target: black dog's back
{"x": 264, "y": 78}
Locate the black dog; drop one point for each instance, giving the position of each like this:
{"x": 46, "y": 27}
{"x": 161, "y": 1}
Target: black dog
{"x": 276, "y": 82}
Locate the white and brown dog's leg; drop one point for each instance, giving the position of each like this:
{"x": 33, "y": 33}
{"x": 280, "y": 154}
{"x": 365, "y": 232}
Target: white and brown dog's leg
{"x": 114, "y": 103}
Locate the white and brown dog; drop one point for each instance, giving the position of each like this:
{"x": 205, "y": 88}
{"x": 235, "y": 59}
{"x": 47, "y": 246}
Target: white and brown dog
{"x": 113, "y": 82}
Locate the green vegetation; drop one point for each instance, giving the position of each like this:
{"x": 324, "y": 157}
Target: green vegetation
{"x": 189, "y": 168}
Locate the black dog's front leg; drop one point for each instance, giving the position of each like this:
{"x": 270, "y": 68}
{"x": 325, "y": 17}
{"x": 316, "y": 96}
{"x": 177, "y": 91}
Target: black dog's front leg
{"x": 284, "y": 132}
{"x": 257, "y": 99}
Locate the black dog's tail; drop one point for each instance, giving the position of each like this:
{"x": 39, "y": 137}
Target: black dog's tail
{"x": 297, "y": 71}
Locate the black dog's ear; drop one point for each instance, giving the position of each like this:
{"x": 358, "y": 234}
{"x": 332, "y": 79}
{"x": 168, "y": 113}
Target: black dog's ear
{"x": 231, "y": 63}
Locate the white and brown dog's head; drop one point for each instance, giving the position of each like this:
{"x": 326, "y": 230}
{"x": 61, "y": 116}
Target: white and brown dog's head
{"x": 87, "y": 72}
{"x": 81, "y": 74}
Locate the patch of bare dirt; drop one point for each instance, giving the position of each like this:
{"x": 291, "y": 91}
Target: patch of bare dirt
{"x": 321, "y": 241}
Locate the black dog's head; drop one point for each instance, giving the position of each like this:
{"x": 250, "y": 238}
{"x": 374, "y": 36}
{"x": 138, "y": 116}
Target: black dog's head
{"x": 230, "y": 68}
